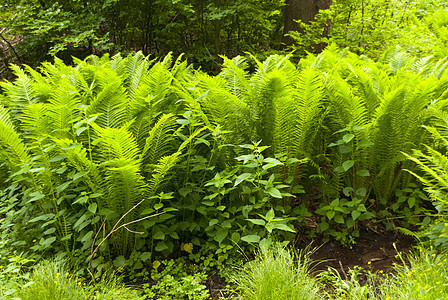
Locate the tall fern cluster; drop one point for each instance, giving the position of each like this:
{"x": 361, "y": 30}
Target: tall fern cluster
{"x": 85, "y": 143}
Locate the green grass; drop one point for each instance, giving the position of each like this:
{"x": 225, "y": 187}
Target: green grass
{"x": 423, "y": 277}
{"x": 51, "y": 280}
{"x": 276, "y": 274}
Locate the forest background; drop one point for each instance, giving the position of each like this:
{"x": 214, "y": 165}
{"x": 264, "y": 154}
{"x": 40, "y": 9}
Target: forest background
{"x": 34, "y": 31}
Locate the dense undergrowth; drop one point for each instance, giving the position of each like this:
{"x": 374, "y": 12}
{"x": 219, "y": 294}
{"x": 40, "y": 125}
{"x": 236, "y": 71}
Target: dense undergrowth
{"x": 118, "y": 163}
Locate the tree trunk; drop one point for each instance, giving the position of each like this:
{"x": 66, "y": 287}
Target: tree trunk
{"x": 304, "y": 10}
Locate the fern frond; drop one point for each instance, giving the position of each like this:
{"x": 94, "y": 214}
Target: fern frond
{"x": 125, "y": 188}
{"x": 298, "y": 115}
{"x": 63, "y": 111}
{"x": 14, "y": 151}
{"x": 78, "y": 157}
{"x": 160, "y": 140}
{"x": 235, "y": 73}
{"x": 34, "y": 121}
{"x": 118, "y": 145}
{"x": 21, "y": 91}
{"x": 161, "y": 172}
{"x": 111, "y": 102}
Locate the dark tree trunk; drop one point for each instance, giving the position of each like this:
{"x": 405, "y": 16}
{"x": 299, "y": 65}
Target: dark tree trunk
{"x": 304, "y": 10}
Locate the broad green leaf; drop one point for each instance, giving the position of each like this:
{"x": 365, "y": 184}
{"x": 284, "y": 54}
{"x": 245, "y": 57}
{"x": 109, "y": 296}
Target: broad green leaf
{"x": 348, "y": 137}
{"x": 275, "y": 193}
{"x": 47, "y": 242}
{"x": 350, "y": 223}
{"x": 270, "y": 215}
{"x": 355, "y": 214}
{"x": 363, "y": 173}
{"x": 221, "y": 234}
{"x": 159, "y": 235}
{"x": 365, "y": 143}
{"x": 343, "y": 149}
{"x": 161, "y": 246}
{"x": 119, "y": 261}
{"x": 347, "y": 191}
{"x": 213, "y": 222}
{"x": 339, "y": 219}
{"x": 235, "y": 237}
{"x": 411, "y": 202}
{"x": 92, "y": 208}
{"x": 283, "y": 227}
{"x": 145, "y": 256}
{"x": 241, "y": 178}
{"x": 253, "y": 238}
{"x": 346, "y": 165}
{"x": 257, "y": 221}
{"x": 208, "y": 203}
{"x": 361, "y": 192}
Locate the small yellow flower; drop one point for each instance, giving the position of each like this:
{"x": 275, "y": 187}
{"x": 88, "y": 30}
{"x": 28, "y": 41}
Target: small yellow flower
{"x": 439, "y": 264}
{"x": 55, "y": 282}
{"x": 381, "y": 271}
{"x": 1, "y": 267}
{"x": 444, "y": 259}
{"x": 409, "y": 274}
{"x": 84, "y": 283}
{"x": 34, "y": 241}
{"x": 429, "y": 269}
{"x": 426, "y": 287}
{"x": 415, "y": 280}
{"x": 388, "y": 298}
{"x": 58, "y": 274}
{"x": 66, "y": 274}
{"x": 369, "y": 262}
{"x": 79, "y": 282}
{"x": 433, "y": 255}
{"x": 3, "y": 287}
{"x": 438, "y": 282}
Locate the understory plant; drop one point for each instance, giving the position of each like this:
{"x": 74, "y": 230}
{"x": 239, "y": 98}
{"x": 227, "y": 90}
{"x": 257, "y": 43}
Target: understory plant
{"x": 276, "y": 273}
{"x": 51, "y": 279}
{"x": 233, "y": 160}
{"x": 419, "y": 276}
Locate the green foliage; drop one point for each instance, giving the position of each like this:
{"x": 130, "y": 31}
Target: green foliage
{"x": 174, "y": 282}
{"x": 350, "y": 286}
{"x": 370, "y": 27}
{"x": 52, "y": 280}
{"x": 432, "y": 166}
{"x": 83, "y": 145}
{"x": 422, "y": 277}
{"x": 201, "y": 29}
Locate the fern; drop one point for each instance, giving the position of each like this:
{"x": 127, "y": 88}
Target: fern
{"x": 161, "y": 171}
{"x": 14, "y": 151}
{"x": 111, "y": 102}
{"x": 159, "y": 141}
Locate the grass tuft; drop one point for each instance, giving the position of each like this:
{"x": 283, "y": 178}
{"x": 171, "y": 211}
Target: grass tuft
{"x": 276, "y": 274}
